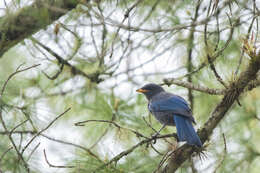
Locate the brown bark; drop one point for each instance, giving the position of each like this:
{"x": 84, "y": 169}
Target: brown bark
{"x": 236, "y": 88}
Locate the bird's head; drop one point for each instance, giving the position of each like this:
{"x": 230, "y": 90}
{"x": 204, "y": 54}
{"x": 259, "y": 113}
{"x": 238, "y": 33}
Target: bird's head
{"x": 149, "y": 90}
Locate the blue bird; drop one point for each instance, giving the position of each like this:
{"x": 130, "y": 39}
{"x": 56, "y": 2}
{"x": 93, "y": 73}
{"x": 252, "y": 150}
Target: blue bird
{"x": 171, "y": 110}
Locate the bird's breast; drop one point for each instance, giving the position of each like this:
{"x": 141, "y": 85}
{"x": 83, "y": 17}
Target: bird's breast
{"x": 164, "y": 118}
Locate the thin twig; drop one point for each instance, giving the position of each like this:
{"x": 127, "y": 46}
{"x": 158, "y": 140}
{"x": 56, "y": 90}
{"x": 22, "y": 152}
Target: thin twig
{"x": 35, "y": 148}
{"x": 81, "y": 123}
{"x": 17, "y": 127}
{"x": 20, "y": 155}
{"x": 74, "y": 145}
{"x": 158, "y": 152}
{"x": 37, "y": 134}
{"x": 93, "y": 77}
{"x": 120, "y": 26}
{"x": 13, "y": 143}
{"x": 103, "y": 134}
{"x": 164, "y": 159}
{"x": 211, "y": 64}
{"x": 126, "y": 152}
{"x": 224, "y": 154}
{"x": 190, "y": 51}
{"x": 13, "y": 74}
{"x": 149, "y": 125}
{"x": 215, "y": 55}
{"x": 197, "y": 87}
{"x": 54, "y": 166}
{"x": 2, "y": 156}
{"x": 18, "y": 132}
{"x": 243, "y": 51}
{"x": 236, "y": 89}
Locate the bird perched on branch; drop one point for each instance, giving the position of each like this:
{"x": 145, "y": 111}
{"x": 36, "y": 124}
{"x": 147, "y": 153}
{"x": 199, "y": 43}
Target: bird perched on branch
{"x": 171, "y": 110}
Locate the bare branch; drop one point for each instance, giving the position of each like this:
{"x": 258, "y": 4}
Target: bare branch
{"x": 200, "y": 88}
{"x": 126, "y": 152}
{"x": 247, "y": 37}
{"x": 74, "y": 145}
{"x": 235, "y": 90}
{"x": 216, "y": 54}
{"x": 18, "y": 132}
{"x": 2, "y": 156}
{"x": 37, "y": 134}
{"x": 11, "y": 132}
{"x": 35, "y": 148}
{"x": 13, "y": 74}
{"x": 224, "y": 154}
{"x": 94, "y": 77}
{"x": 20, "y": 155}
{"x": 54, "y": 166}
{"x": 16, "y": 27}
{"x": 81, "y": 123}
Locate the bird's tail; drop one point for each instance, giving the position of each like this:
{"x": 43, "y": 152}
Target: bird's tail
{"x": 185, "y": 131}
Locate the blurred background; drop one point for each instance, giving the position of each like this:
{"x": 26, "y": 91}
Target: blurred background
{"x": 94, "y": 57}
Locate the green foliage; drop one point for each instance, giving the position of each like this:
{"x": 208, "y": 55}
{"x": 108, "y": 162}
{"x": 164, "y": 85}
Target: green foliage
{"x": 127, "y": 44}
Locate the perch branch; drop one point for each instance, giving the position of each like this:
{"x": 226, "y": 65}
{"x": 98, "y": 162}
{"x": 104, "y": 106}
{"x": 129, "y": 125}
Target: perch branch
{"x": 235, "y": 90}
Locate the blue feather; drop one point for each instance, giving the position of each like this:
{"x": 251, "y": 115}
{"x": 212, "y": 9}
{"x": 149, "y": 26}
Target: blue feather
{"x": 185, "y": 131}
{"x": 170, "y": 104}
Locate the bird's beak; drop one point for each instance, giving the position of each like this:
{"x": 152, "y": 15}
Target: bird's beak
{"x": 142, "y": 90}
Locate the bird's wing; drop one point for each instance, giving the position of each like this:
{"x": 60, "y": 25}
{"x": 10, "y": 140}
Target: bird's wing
{"x": 171, "y": 104}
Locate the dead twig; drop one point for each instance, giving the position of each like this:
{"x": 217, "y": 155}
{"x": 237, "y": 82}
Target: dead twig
{"x": 196, "y": 87}
{"x": 2, "y": 156}
{"x": 224, "y": 154}
{"x": 126, "y": 152}
{"x": 236, "y": 89}
{"x": 35, "y": 148}
{"x": 54, "y": 166}
{"x": 37, "y": 134}
{"x": 74, "y": 145}
{"x": 163, "y": 160}
{"x": 81, "y": 123}
{"x": 94, "y": 77}
{"x": 13, "y": 74}
{"x": 20, "y": 155}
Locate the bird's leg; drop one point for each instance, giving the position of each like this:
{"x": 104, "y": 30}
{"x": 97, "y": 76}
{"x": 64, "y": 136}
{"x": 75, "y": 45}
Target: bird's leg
{"x": 157, "y": 133}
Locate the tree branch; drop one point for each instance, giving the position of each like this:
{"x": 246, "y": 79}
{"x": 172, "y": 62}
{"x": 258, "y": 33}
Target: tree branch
{"x": 93, "y": 77}
{"x": 30, "y": 19}
{"x": 130, "y": 150}
{"x": 40, "y": 132}
{"x": 54, "y": 166}
{"x": 20, "y": 155}
{"x": 189, "y": 85}
{"x": 236, "y": 88}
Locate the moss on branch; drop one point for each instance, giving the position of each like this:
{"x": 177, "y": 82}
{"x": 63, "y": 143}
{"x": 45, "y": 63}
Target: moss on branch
{"x": 30, "y": 19}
